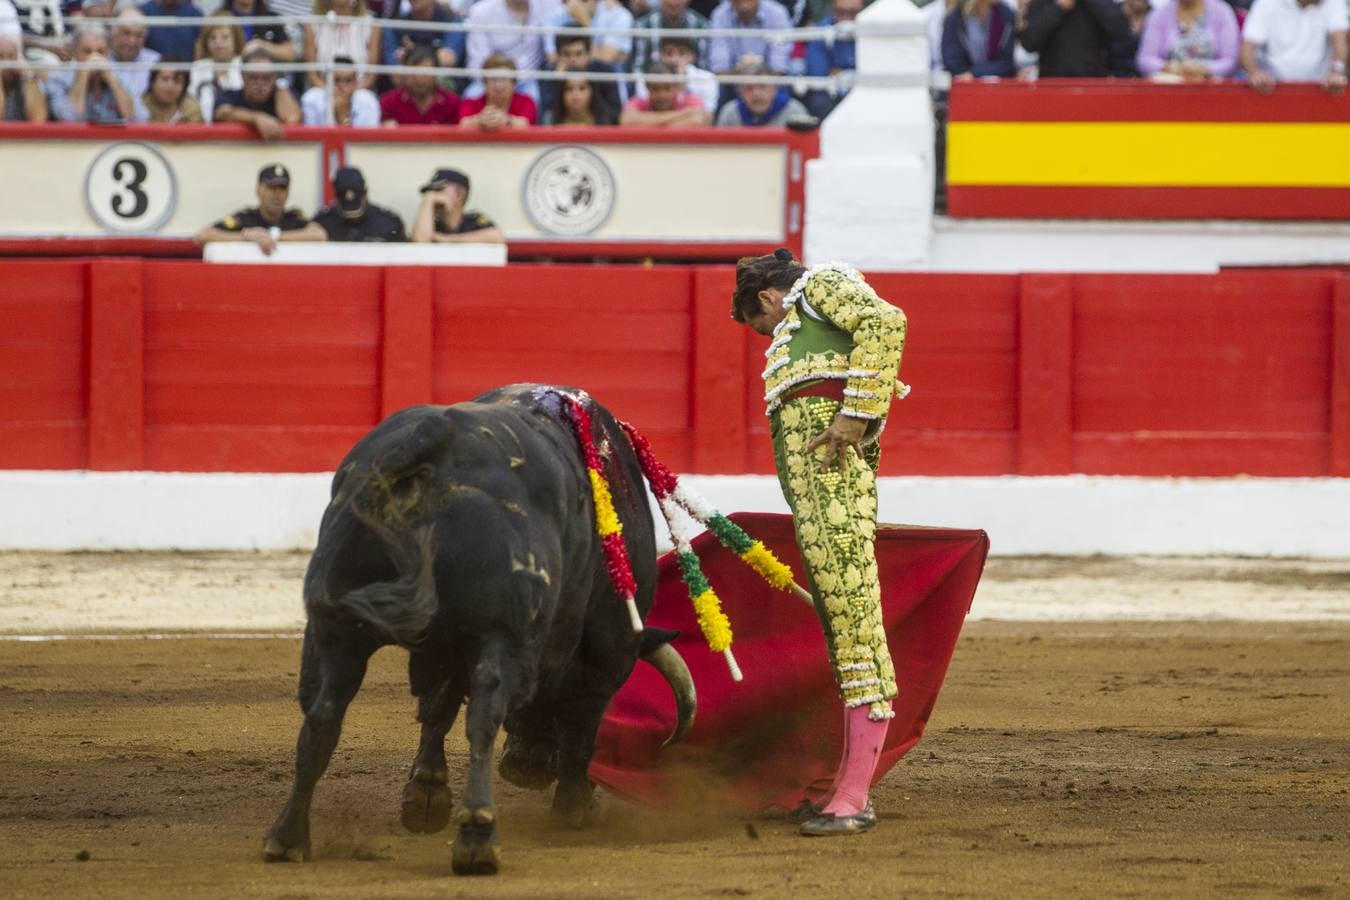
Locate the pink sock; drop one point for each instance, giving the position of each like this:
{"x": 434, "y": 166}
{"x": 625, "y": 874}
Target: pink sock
{"x": 863, "y": 740}
{"x": 839, "y": 770}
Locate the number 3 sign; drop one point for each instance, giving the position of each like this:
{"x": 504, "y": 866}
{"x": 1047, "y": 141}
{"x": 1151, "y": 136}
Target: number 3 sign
{"x": 130, "y": 188}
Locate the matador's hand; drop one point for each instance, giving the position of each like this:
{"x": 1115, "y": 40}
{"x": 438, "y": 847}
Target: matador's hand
{"x": 844, "y": 432}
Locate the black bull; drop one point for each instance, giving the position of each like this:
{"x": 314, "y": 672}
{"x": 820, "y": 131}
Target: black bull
{"x": 466, "y": 534}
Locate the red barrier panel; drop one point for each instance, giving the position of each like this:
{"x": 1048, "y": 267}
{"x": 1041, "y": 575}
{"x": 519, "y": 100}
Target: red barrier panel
{"x": 44, "y": 410}
{"x": 187, "y": 366}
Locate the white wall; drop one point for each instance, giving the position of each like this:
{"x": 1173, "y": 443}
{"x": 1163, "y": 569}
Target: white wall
{"x": 1070, "y": 515}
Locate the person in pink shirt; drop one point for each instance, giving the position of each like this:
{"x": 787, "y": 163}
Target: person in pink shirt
{"x": 667, "y": 104}
{"x": 501, "y": 105}
{"x": 1194, "y": 40}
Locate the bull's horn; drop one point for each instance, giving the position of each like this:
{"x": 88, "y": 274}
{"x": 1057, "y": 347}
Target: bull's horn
{"x": 670, "y": 664}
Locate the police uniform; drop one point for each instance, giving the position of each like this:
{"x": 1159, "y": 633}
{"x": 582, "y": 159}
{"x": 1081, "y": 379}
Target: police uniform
{"x": 251, "y": 217}
{"x": 272, "y": 175}
{"x": 377, "y": 224}
{"x": 472, "y": 221}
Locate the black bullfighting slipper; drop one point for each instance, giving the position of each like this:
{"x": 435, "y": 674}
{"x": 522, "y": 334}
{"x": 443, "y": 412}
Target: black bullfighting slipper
{"x": 829, "y": 825}
{"x": 804, "y": 812}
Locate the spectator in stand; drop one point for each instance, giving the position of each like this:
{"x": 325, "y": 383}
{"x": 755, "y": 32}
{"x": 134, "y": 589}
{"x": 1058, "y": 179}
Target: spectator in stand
{"x": 442, "y": 219}
{"x": 127, "y": 41}
{"x": 934, "y": 17}
{"x": 353, "y": 218}
{"x": 977, "y": 40}
{"x": 758, "y": 105}
{"x": 839, "y": 59}
{"x": 265, "y": 102}
{"x": 1136, "y": 13}
{"x": 1193, "y": 40}
{"x": 1136, "y": 16}
{"x": 679, "y": 54}
{"x": 579, "y": 104}
{"x": 420, "y": 100}
{"x": 574, "y": 55}
{"x": 218, "y": 66}
{"x": 43, "y": 26}
{"x": 1296, "y": 40}
{"x": 447, "y": 47}
{"x": 351, "y": 106}
{"x": 613, "y": 50}
{"x": 724, "y": 53}
{"x": 500, "y": 105}
{"x": 272, "y": 38}
{"x": 91, "y": 95}
{"x": 21, "y": 96}
{"x": 1078, "y": 38}
{"x": 668, "y": 14}
{"x": 525, "y": 50}
{"x": 270, "y": 222}
{"x": 172, "y": 40}
{"x": 167, "y": 100}
{"x": 357, "y": 41}
{"x": 9, "y": 22}
{"x": 667, "y": 104}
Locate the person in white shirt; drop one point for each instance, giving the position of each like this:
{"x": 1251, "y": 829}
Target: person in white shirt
{"x": 352, "y": 106}
{"x": 1296, "y": 40}
{"x": 9, "y": 22}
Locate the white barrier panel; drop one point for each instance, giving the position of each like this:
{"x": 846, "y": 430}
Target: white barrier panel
{"x": 1071, "y": 516}
{"x": 615, "y": 192}
{"x": 320, "y": 254}
{"x": 87, "y": 188}
{"x": 612, "y": 187}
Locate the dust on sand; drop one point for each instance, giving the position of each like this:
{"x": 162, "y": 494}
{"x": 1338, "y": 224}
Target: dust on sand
{"x": 1104, "y": 758}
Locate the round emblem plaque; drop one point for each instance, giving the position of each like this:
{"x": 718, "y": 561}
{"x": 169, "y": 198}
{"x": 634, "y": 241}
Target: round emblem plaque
{"x": 569, "y": 191}
{"x": 130, "y": 188}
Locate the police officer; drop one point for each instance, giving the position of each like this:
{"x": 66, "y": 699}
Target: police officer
{"x": 270, "y": 221}
{"x": 442, "y": 218}
{"x": 353, "y": 217}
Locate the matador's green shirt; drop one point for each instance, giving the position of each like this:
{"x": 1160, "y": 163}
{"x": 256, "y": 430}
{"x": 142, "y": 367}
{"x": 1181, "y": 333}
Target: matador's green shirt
{"x": 838, "y": 328}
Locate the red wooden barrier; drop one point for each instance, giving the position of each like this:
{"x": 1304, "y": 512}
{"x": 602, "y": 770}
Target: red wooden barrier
{"x": 116, "y": 364}
{"x": 116, "y": 371}
{"x": 1340, "y": 378}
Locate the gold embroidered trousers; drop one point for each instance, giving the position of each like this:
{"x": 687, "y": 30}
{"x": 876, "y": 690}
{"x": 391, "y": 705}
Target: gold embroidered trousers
{"x": 835, "y": 516}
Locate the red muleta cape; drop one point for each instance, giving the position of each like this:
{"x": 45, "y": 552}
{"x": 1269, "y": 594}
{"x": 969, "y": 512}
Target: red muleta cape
{"x": 776, "y": 736}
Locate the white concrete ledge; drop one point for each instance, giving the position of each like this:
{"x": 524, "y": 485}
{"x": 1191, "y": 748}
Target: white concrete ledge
{"x": 1070, "y": 516}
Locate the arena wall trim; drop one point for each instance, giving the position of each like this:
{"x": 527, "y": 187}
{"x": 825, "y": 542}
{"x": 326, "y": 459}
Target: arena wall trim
{"x": 1058, "y": 515}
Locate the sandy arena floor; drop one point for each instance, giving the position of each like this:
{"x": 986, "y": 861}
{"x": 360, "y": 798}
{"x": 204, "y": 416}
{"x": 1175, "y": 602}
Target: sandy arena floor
{"x": 1104, "y": 758}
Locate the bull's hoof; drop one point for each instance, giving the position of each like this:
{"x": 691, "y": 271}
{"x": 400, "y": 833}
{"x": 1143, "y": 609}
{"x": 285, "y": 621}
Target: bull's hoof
{"x": 476, "y": 851}
{"x": 426, "y": 803}
{"x": 277, "y": 850}
{"x": 531, "y": 766}
{"x": 574, "y": 810}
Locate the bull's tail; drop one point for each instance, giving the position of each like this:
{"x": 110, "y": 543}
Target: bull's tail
{"x": 399, "y": 611}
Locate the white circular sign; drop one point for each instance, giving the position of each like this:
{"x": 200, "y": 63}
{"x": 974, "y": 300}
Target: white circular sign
{"x": 569, "y": 191}
{"x": 130, "y": 188}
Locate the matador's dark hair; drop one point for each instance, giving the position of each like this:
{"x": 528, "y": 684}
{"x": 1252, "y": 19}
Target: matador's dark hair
{"x": 778, "y": 269}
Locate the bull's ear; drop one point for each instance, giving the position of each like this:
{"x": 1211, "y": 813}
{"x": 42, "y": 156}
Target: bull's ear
{"x": 654, "y": 637}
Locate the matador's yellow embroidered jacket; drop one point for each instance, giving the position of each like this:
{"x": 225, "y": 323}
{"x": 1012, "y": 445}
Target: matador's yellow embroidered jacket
{"x": 838, "y": 328}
